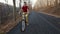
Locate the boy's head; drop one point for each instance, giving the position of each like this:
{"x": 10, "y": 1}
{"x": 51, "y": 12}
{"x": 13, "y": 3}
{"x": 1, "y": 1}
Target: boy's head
{"x": 25, "y": 3}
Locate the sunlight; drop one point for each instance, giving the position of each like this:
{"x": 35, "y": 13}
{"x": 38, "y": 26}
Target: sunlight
{"x": 33, "y": 2}
{"x": 10, "y": 2}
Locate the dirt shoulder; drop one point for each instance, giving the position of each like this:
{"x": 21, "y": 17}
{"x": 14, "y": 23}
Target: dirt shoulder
{"x": 8, "y": 25}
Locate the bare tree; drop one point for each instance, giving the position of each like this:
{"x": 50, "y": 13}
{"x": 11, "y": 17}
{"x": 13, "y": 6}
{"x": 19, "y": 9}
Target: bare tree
{"x": 20, "y": 4}
{"x": 14, "y": 10}
{"x": 0, "y": 14}
{"x": 47, "y": 3}
{"x": 7, "y": 7}
{"x": 56, "y": 2}
{"x": 59, "y": 1}
{"x": 50, "y": 3}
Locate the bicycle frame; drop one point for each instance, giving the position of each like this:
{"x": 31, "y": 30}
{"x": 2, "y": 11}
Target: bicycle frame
{"x": 24, "y": 15}
{"x": 23, "y": 21}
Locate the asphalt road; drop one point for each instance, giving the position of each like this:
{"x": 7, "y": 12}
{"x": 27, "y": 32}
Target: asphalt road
{"x": 39, "y": 24}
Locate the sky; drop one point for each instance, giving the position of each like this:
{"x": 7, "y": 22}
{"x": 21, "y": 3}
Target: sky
{"x": 10, "y": 2}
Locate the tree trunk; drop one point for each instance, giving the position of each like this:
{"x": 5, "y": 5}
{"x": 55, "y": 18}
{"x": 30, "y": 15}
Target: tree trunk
{"x": 0, "y": 14}
{"x": 20, "y": 5}
{"x": 59, "y": 2}
{"x": 14, "y": 10}
{"x": 47, "y": 3}
{"x": 56, "y": 2}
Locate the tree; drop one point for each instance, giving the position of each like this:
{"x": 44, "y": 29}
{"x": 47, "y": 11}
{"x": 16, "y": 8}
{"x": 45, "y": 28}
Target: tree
{"x": 59, "y": 1}
{"x": 47, "y": 2}
{"x": 56, "y": 2}
{"x": 0, "y": 14}
{"x": 20, "y": 4}
{"x": 14, "y": 10}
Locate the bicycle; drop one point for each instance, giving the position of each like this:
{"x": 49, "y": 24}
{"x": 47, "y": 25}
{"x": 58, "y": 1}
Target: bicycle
{"x": 23, "y": 21}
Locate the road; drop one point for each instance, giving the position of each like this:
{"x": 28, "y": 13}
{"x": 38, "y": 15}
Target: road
{"x": 39, "y": 24}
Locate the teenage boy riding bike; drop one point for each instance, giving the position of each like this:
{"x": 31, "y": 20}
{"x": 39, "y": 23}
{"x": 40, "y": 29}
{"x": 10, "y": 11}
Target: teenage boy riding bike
{"x": 25, "y": 10}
